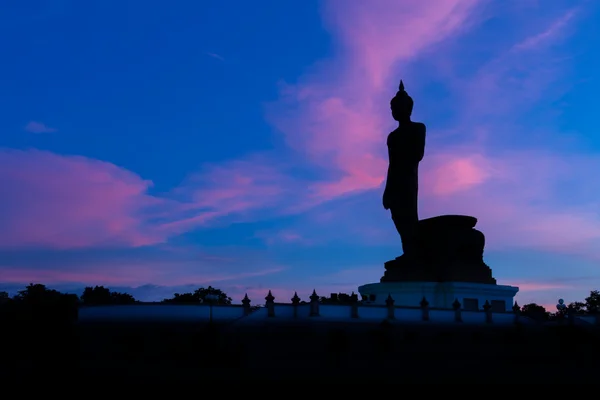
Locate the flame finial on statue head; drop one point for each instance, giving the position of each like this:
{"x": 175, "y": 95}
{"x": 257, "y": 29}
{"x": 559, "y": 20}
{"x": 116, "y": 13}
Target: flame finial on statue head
{"x": 402, "y": 90}
{"x": 402, "y": 103}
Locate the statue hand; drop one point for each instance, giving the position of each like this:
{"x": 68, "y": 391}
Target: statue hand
{"x": 386, "y": 203}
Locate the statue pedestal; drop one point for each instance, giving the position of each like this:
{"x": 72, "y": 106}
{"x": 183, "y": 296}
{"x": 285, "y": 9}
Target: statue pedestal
{"x": 447, "y": 249}
{"x": 472, "y": 296}
{"x": 447, "y": 265}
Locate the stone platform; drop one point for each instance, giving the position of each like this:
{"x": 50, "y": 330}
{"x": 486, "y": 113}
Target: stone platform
{"x": 448, "y": 249}
{"x": 446, "y": 265}
{"x": 472, "y": 296}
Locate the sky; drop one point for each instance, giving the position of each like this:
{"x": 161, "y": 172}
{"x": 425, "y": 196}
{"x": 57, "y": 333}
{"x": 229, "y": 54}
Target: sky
{"x": 155, "y": 147}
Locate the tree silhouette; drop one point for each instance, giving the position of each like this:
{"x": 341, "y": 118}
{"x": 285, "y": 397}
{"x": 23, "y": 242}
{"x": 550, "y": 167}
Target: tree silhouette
{"x": 185, "y": 298}
{"x": 339, "y": 298}
{"x": 122, "y": 298}
{"x": 592, "y": 302}
{"x": 199, "y": 296}
{"x": 37, "y": 293}
{"x": 577, "y": 307}
{"x": 535, "y": 312}
{"x": 221, "y": 296}
{"x": 38, "y": 303}
{"x": 96, "y": 295}
{"x": 99, "y": 295}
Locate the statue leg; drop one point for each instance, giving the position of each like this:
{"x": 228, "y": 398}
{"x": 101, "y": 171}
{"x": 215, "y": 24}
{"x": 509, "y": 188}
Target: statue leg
{"x": 406, "y": 217}
{"x": 406, "y": 225}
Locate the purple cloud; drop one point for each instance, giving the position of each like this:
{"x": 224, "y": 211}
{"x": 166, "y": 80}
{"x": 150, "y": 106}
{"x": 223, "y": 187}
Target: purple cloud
{"x": 38, "y": 127}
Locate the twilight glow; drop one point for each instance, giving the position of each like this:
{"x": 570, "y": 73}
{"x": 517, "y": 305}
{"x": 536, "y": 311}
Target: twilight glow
{"x": 154, "y": 147}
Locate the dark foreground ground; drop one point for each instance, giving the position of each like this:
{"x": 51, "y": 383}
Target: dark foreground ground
{"x": 318, "y": 352}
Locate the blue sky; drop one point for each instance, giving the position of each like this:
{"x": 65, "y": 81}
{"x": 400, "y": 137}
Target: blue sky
{"x": 167, "y": 146}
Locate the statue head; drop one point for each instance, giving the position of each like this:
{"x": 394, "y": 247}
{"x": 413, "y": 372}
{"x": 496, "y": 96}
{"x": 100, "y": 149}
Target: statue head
{"x": 401, "y": 104}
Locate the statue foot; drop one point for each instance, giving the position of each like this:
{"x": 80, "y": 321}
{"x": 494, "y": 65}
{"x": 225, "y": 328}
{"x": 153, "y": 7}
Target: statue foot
{"x": 407, "y": 258}
{"x": 402, "y": 261}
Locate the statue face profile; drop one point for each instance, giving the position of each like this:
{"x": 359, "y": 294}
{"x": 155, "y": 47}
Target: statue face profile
{"x": 401, "y": 105}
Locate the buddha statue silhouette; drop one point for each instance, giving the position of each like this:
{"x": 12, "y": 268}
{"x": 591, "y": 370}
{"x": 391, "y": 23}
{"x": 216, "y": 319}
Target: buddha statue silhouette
{"x": 406, "y": 147}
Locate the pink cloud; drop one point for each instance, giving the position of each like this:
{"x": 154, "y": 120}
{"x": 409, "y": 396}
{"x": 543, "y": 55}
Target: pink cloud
{"x": 529, "y": 199}
{"x": 70, "y": 201}
{"x": 380, "y": 34}
{"x": 338, "y": 118}
{"x": 445, "y": 174}
{"x": 76, "y": 202}
{"x": 202, "y": 269}
{"x": 231, "y": 190}
{"x": 537, "y": 286}
{"x": 107, "y": 275}
{"x": 38, "y": 127}
{"x": 284, "y": 236}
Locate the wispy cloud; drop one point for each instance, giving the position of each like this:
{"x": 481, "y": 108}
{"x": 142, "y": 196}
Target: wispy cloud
{"x": 282, "y": 236}
{"x": 69, "y": 202}
{"x": 515, "y": 190}
{"x": 538, "y": 286}
{"x": 188, "y": 265}
{"x": 334, "y": 120}
{"x": 337, "y": 116}
{"x": 215, "y": 56}
{"x": 38, "y": 127}
{"x": 556, "y": 29}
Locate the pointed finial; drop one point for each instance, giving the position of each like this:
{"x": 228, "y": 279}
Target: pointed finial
{"x": 295, "y": 299}
{"x": 270, "y": 297}
{"x": 389, "y": 301}
{"x": 487, "y": 306}
{"x": 456, "y": 305}
{"x": 246, "y": 300}
{"x": 401, "y": 87}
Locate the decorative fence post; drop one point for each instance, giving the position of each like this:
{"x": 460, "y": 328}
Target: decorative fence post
{"x": 270, "y": 304}
{"x": 561, "y": 307}
{"x": 424, "y": 309}
{"x": 487, "y": 308}
{"x": 517, "y": 311}
{"x": 314, "y": 304}
{"x": 353, "y": 305}
{"x": 389, "y": 302}
{"x": 295, "y": 303}
{"x": 246, "y": 304}
{"x": 571, "y": 316}
{"x": 457, "y": 313}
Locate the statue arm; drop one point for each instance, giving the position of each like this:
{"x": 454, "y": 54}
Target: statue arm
{"x": 386, "y": 204}
{"x": 386, "y": 193}
{"x": 420, "y": 143}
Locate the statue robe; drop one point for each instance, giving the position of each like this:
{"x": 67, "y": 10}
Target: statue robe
{"x": 406, "y": 147}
